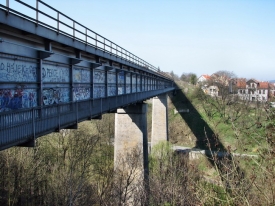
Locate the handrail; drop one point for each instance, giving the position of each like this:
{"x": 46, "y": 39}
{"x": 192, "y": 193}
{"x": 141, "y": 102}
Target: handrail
{"x": 100, "y": 42}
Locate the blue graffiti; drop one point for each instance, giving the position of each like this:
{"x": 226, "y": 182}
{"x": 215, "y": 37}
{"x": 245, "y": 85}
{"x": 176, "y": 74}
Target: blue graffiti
{"x": 12, "y": 99}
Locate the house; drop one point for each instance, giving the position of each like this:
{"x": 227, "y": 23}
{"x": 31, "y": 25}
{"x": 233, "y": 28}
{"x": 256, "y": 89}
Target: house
{"x": 272, "y": 90}
{"x": 203, "y": 82}
{"x": 212, "y": 90}
{"x": 203, "y": 79}
{"x": 252, "y": 90}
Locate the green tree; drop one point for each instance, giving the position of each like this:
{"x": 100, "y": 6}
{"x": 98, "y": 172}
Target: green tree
{"x": 193, "y": 79}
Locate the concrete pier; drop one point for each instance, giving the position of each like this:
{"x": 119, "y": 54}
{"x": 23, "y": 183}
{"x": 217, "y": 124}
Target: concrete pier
{"x": 159, "y": 120}
{"x": 131, "y": 146}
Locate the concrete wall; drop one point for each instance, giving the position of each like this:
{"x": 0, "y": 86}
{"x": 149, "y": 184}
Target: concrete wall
{"x": 159, "y": 120}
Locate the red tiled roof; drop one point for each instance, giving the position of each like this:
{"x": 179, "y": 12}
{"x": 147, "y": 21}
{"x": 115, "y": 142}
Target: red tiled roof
{"x": 263, "y": 85}
{"x": 241, "y": 83}
{"x": 206, "y": 76}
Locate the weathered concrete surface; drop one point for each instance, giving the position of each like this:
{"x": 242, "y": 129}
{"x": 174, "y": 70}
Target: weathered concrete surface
{"x": 159, "y": 120}
{"x": 131, "y": 149}
{"x": 130, "y": 130}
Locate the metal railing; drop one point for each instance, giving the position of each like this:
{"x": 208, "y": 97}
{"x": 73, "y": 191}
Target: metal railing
{"x": 26, "y": 124}
{"x": 94, "y": 39}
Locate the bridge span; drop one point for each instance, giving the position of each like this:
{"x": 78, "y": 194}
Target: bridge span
{"x": 53, "y": 76}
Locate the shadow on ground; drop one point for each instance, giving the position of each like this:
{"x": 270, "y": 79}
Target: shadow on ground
{"x": 198, "y": 126}
{"x": 202, "y": 132}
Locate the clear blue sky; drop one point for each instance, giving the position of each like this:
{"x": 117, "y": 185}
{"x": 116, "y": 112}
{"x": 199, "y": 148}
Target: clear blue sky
{"x": 199, "y": 36}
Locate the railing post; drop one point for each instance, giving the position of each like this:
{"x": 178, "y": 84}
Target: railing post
{"x": 95, "y": 41}
{"x": 104, "y": 45}
{"x": 57, "y": 22}
{"x": 111, "y": 48}
{"x": 8, "y": 6}
{"x": 37, "y": 12}
{"x": 74, "y": 29}
{"x": 86, "y": 36}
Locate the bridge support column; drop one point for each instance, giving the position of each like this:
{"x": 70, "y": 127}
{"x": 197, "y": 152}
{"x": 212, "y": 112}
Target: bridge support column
{"x": 131, "y": 150}
{"x": 159, "y": 120}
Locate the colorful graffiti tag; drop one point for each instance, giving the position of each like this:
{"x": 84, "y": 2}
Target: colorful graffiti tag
{"x": 12, "y": 99}
{"x": 55, "y": 96}
{"x": 17, "y": 71}
{"x": 81, "y": 75}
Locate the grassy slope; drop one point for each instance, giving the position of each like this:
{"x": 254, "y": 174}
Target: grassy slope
{"x": 190, "y": 129}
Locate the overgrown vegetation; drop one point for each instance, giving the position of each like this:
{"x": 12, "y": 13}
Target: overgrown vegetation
{"x": 75, "y": 167}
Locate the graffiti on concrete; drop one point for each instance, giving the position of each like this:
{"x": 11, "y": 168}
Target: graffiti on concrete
{"x": 121, "y": 77}
{"x": 134, "y": 79}
{"x": 128, "y": 84}
{"x": 11, "y": 99}
{"x": 143, "y": 84}
{"x": 81, "y": 75}
{"x": 111, "y": 78}
{"x": 81, "y": 93}
{"x": 128, "y": 78}
{"x": 111, "y": 90}
{"x": 17, "y": 71}
{"x": 128, "y": 89}
{"x": 55, "y": 73}
{"x": 120, "y": 89}
{"x": 99, "y": 76}
{"x": 99, "y": 91}
{"x": 55, "y": 95}
{"x": 138, "y": 83}
{"x": 134, "y": 83}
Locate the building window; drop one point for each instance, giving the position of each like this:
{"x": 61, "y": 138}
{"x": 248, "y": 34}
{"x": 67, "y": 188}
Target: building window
{"x": 263, "y": 91}
{"x": 263, "y": 98}
{"x": 259, "y": 91}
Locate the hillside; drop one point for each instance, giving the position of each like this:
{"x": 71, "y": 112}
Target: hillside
{"x": 75, "y": 167}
